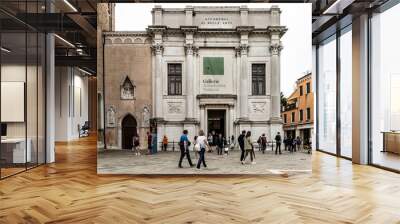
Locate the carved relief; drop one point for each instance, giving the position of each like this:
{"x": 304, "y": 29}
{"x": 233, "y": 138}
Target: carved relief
{"x": 146, "y": 117}
{"x": 128, "y": 40}
{"x": 127, "y": 90}
{"x": 190, "y": 49}
{"x": 111, "y": 123}
{"x": 259, "y": 107}
{"x": 174, "y": 108}
{"x": 275, "y": 49}
{"x": 138, "y": 41}
{"x": 157, "y": 48}
{"x": 244, "y": 48}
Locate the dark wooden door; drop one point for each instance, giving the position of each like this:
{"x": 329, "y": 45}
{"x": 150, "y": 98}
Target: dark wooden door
{"x": 129, "y": 129}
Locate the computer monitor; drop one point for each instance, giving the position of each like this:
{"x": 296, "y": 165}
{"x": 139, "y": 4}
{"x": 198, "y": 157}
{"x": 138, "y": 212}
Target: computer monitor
{"x": 3, "y": 129}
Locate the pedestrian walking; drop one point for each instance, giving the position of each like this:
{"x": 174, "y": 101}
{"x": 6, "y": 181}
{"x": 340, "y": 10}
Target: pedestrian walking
{"x": 184, "y": 144}
{"x": 248, "y": 147}
{"x": 201, "y": 144}
{"x": 241, "y": 144}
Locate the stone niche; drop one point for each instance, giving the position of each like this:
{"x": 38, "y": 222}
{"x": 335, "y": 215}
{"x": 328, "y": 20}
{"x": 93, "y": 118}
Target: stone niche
{"x": 127, "y": 89}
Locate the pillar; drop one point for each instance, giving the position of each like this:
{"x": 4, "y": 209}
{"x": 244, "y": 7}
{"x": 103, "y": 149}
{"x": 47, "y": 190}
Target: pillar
{"x": 244, "y": 104}
{"x": 360, "y": 90}
{"x": 275, "y": 48}
{"x": 189, "y": 82}
{"x": 158, "y": 48}
{"x": 202, "y": 118}
{"x": 50, "y": 93}
{"x": 275, "y": 82}
{"x": 50, "y": 99}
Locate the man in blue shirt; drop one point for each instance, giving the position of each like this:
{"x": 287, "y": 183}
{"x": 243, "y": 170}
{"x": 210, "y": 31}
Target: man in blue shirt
{"x": 184, "y": 144}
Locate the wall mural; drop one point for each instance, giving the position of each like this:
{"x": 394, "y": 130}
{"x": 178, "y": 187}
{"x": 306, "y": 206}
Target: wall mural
{"x": 127, "y": 90}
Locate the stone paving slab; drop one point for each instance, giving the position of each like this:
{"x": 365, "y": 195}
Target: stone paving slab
{"x": 126, "y": 162}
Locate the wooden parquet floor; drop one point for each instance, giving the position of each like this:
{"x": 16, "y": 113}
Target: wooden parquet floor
{"x": 70, "y": 191}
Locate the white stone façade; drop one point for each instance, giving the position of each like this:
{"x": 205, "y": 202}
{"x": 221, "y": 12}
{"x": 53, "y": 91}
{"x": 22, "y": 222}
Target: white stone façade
{"x": 242, "y": 37}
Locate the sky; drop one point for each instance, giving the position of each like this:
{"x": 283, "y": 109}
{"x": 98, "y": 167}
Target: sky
{"x": 296, "y": 57}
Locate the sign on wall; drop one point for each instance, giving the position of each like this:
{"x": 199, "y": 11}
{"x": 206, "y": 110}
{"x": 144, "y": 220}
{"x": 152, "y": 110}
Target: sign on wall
{"x": 216, "y": 72}
{"x": 213, "y": 66}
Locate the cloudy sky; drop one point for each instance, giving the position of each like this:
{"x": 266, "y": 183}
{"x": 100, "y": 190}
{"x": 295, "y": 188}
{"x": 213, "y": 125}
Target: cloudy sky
{"x": 295, "y": 57}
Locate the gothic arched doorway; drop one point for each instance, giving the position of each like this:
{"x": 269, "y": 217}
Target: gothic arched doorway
{"x": 129, "y": 129}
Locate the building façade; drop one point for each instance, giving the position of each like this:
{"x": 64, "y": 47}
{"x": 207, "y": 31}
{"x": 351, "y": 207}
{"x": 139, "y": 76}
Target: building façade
{"x": 210, "y": 68}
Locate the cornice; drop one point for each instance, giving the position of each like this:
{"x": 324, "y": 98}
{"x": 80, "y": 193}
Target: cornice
{"x": 280, "y": 30}
{"x": 126, "y": 34}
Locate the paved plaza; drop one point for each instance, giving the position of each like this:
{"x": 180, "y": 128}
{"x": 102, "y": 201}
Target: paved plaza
{"x": 126, "y": 162}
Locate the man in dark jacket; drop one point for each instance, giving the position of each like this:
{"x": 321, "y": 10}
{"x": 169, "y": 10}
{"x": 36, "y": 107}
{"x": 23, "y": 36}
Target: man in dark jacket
{"x": 184, "y": 144}
{"x": 241, "y": 144}
{"x": 278, "y": 140}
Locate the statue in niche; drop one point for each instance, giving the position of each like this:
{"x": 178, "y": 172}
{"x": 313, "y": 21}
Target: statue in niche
{"x": 111, "y": 123}
{"x": 146, "y": 117}
{"x": 127, "y": 90}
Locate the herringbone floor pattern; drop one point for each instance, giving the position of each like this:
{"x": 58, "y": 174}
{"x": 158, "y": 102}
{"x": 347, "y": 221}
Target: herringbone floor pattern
{"x": 70, "y": 191}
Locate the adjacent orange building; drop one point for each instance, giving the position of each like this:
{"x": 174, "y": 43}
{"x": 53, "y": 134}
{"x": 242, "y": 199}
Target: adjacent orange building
{"x": 298, "y": 114}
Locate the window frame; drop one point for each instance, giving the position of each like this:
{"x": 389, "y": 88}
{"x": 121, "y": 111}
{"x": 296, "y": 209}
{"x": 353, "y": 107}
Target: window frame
{"x": 174, "y": 78}
{"x": 258, "y": 78}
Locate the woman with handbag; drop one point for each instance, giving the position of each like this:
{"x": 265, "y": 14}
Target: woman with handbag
{"x": 248, "y": 147}
{"x": 201, "y": 145}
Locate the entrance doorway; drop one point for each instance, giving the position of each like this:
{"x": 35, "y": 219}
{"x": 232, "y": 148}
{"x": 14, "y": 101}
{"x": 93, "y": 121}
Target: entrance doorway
{"x": 129, "y": 129}
{"x": 216, "y": 121}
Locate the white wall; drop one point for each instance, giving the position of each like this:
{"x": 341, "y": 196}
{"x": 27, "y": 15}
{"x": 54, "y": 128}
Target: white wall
{"x": 71, "y": 103}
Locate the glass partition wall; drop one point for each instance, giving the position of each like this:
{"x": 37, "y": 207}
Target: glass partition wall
{"x": 334, "y": 94}
{"x": 385, "y": 90}
{"x": 22, "y": 88}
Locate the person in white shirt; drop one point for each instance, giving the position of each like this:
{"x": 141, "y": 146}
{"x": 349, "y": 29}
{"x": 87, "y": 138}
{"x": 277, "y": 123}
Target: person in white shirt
{"x": 202, "y": 145}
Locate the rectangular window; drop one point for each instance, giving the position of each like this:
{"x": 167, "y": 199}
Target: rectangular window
{"x": 285, "y": 118}
{"x": 308, "y": 113}
{"x": 301, "y": 90}
{"x": 293, "y": 116}
{"x": 301, "y": 115}
{"x": 308, "y": 87}
{"x": 327, "y": 95}
{"x": 258, "y": 79}
{"x": 174, "y": 79}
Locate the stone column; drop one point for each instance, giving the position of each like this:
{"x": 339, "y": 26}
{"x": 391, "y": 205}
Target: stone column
{"x": 244, "y": 104}
{"x": 244, "y": 76}
{"x": 189, "y": 82}
{"x": 158, "y": 48}
{"x": 232, "y": 118}
{"x": 190, "y": 50}
{"x": 202, "y": 118}
{"x": 275, "y": 48}
{"x": 275, "y": 82}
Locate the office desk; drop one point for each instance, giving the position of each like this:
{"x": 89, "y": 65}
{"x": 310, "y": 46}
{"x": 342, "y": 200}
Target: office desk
{"x": 13, "y": 150}
{"x": 391, "y": 142}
